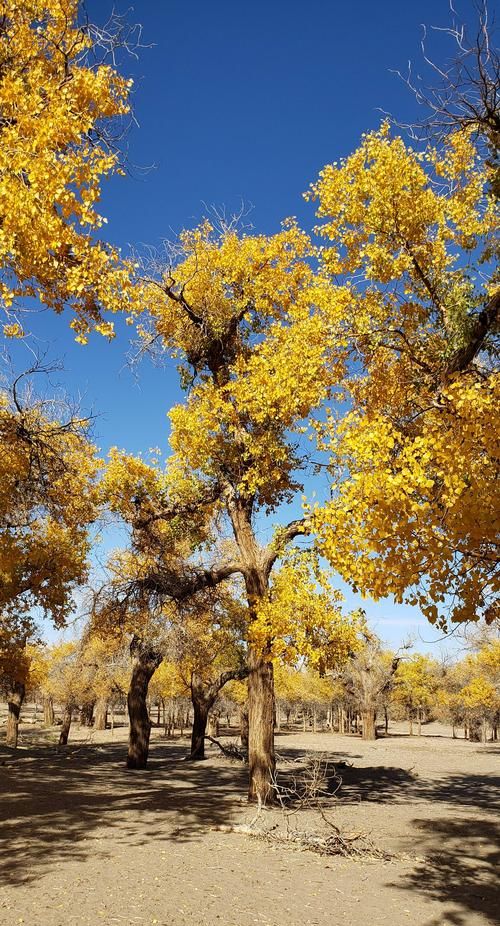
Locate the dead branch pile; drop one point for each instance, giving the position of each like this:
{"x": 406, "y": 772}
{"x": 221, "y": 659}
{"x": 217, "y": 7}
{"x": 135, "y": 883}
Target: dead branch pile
{"x": 228, "y": 749}
{"x": 310, "y": 789}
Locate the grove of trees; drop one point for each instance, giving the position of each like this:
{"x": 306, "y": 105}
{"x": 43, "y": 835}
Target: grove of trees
{"x": 364, "y": 347}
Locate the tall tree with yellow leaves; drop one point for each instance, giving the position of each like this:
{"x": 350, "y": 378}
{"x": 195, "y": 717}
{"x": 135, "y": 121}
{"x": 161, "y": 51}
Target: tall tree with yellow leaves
{"x": 410, "y": 243}
{"x": 47, "y": 504}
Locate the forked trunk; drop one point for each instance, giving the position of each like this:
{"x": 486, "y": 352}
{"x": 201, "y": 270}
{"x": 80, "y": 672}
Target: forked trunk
{"x": 15, "y": 699}
{"x": 203, "y": 697}
{"x": 369, "y": 728}
{"x": 261, "y": 757}
{"x": 145, "y": 661}
{"x": 66, "y": 724}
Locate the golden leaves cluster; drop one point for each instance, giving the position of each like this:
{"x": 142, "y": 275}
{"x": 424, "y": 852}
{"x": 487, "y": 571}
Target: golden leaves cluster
{"x": 58, "y": 108}
{"x": 415, "y": 506}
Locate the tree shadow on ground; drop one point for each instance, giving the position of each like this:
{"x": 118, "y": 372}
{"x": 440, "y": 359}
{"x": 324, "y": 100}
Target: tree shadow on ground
{"x": 460, "y": 869}
{"x": 75, "y": 799}
{"x": 391, "y": 784}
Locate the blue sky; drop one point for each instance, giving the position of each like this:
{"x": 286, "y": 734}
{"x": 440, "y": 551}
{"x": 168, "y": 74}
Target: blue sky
{"x": 235, "y": 102}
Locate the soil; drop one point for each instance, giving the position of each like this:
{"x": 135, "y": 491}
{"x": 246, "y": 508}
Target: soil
{"x": 84, "y": 841}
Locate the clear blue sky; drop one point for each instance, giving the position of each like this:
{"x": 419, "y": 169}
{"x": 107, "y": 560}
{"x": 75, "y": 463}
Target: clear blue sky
{"x": 236, "y": 102}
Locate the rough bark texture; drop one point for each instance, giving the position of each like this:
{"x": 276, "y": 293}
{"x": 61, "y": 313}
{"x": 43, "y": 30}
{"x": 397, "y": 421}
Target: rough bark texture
{"x": 257, "y": 564}
{"x": 101, "y": 714}
{"x": 244, "y": 727}
{"x": 199, "y": 730}
{"x": 145, "y": 661}
{"x": 369, "y": 728}
{"x": 66, "y": 724}
{"x": 261, "y": 757}
{"x": 15, "y": 699}
{"x": 48, "y": 712}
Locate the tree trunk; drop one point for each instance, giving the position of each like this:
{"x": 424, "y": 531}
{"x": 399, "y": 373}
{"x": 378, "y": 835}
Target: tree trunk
{"x": 66, "y": 724}
{"x": 145, "y": 661}
{"x": 48, "y": 712}
{"x": 369, "y": 728}
{"x": 386, "y": 721}
{"x": 101, "y": 714}
{"x": 419, "y": 719}
{"x": 203, "y": 696}
{"x": 475, "y": 731}
{"x": 261, "y": 758}
{"x": 87, "y": 714}
{"x": 244, "y": 727}
{"x": 213, "y": 725}
{"x": 199, "y": 729}
{"x": 484, "y": 731}
{"x": 15, "y": 699}
{"x": 256, "y": 571}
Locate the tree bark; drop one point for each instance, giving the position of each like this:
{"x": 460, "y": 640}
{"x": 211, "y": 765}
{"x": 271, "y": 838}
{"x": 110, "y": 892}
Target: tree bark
{"x": 199, "y": 730}
{"x": 48, "y": 712}
{"x": 244, "y": 727}
{"x": 15, "y": 699}
{"x": 257, "y": 565}
{"x": 145, "y": 661}
{"x": 66, "y": 724}
{"x": 369, "y": 727}
{"x": 261, "y": 757}
{"x": 101, "y": 714}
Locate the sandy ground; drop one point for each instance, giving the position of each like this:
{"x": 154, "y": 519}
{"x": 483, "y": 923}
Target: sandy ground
{"x": 83, "y": 841}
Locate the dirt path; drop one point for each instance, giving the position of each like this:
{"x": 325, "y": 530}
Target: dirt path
{"x": 83, "y": 841}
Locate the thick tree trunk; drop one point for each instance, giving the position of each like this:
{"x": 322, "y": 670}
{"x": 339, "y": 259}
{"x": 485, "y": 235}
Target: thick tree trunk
{"x": 261, "y": 757}
{"x": 15, "y": 699}
{"x": 145, "y": 661}
{"x": 369, "y": 728}
{"x": 199, "y": 730}
{"x": 66, "y": 724}
{"x": 101, "y": 714}
{"x": 257, "y": 567}
{"x": 48, "y": 712}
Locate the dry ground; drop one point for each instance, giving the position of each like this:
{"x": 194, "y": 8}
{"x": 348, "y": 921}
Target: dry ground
{"x": 83, "y": 841}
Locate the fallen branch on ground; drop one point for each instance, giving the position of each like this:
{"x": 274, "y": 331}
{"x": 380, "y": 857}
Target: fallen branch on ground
{"x": 229, "y": 750}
